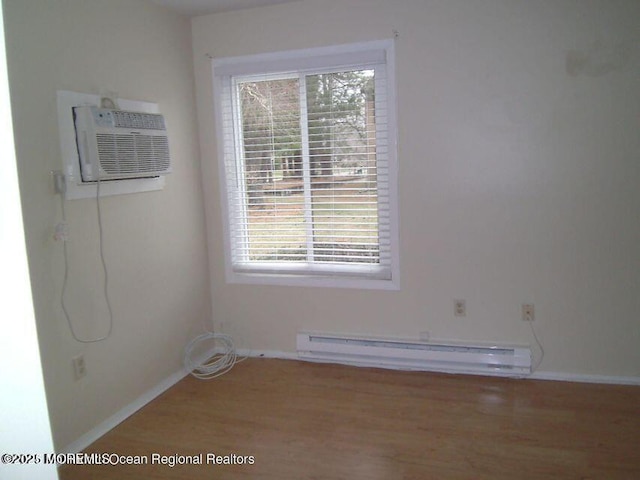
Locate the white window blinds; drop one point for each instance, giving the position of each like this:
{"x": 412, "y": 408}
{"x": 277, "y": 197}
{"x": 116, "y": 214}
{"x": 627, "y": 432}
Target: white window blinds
{"x": 306, "y": 157}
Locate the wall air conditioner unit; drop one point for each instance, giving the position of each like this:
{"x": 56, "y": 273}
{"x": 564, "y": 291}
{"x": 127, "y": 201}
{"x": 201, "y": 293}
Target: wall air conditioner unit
{"x": 119, "y": 145}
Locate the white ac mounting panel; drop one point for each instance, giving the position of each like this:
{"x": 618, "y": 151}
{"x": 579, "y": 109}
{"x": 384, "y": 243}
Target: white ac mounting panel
{"x": 76, "y": 187}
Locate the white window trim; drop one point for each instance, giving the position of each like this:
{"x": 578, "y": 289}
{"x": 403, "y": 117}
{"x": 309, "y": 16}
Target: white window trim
{"x": 330, "y": 58}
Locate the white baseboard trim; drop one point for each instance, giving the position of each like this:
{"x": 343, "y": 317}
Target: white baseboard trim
{"x": 98, "y": 431}
{"x": 584, "y": 378}
{"x": 553, "y": 376}
{"x": 268, "y": 354}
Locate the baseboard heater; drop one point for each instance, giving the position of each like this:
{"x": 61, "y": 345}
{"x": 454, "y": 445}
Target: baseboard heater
{"x": 451, "y": 357}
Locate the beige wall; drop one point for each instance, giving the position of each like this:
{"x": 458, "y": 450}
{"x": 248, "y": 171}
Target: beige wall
{"x": 154, "y": 242}
{"x": 519, "y": 170}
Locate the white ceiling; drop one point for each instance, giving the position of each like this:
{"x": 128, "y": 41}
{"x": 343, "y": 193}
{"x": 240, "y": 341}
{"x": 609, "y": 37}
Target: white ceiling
{"x": 202, "y": 7}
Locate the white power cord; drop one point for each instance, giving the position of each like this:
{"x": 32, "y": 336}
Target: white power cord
{"x": 61, "y": 234}
{"x": 219, "y": 358}
{"x": 535, "y": 368}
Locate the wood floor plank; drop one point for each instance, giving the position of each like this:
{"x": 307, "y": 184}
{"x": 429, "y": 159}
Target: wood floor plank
{"x": 312, "y": 421}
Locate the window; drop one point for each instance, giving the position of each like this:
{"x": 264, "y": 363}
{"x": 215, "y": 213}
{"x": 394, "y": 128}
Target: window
{"x": 307, "y": 144}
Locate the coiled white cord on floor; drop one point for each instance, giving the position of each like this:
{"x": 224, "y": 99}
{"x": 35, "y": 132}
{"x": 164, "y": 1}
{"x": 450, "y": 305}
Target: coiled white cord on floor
{"x": 219, "y": 357}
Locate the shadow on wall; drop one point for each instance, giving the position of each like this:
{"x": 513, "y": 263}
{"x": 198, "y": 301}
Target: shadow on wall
{"x": 598, "y": 59}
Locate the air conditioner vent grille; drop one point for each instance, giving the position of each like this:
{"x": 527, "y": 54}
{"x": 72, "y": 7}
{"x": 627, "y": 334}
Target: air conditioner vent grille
{"x": 129, "y": 154}
{"x": 147, "y": 121}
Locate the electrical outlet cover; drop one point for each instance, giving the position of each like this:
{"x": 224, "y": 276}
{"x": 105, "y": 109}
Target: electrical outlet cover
{"x": 79, "y": 366}
{"x": 528, "y": 312}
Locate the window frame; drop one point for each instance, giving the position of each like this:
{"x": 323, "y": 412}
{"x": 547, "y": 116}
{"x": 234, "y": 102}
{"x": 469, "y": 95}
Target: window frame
{"x": 225, "y": 72}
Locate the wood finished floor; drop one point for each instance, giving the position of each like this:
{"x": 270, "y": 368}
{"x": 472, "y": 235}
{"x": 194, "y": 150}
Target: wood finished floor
{"x": 312, "y": 421}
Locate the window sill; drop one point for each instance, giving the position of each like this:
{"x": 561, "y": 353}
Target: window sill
{"x": 325, "y": 281}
